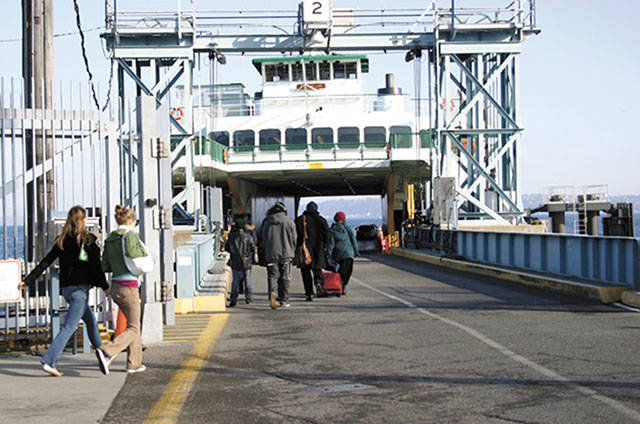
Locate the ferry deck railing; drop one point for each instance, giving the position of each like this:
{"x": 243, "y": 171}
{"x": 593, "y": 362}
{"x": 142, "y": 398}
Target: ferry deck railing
{"x": 312, "y": 152}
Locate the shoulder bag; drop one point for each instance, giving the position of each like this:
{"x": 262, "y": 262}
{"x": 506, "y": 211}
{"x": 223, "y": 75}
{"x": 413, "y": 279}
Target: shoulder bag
{"x": 137, "y": 266}
{"x": 302, "y": 256}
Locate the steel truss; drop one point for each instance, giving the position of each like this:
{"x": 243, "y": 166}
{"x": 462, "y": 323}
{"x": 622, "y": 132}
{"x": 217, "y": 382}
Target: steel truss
{"x": 473, "y": 53}
{"x": 479, "y": 140}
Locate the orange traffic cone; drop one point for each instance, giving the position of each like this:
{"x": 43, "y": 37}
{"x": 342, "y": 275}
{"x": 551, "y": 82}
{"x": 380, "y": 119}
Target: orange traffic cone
{"x": 121, "y": 323}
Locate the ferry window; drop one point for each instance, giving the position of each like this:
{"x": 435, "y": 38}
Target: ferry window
{"x": 375, "y": 136}
{"x": 270, "y": 139}
{"x": 221, "y": 137}
{"x": 352, "y": 70}
{"x": 296, "y": 138}
{"x": 270, "y": 73}
{"x": 283, "y": 72}
{"x": 325, "y": 71}
{"x": 339, "y": 70}
{"x": 296, "y": 71}
{"x": 348, "y": 137}
{"x": 400, "y": 136}
{"x": 322, "y": 138}
{"x": 310, "y": 70}
{"x": 426, "y": 138}
{"x": 244, "y": 140}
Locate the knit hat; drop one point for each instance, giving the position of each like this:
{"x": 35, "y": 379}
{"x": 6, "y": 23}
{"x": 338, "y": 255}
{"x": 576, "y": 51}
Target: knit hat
{"x": 339, "y": 217}
{"x": 239, "y": 221}
{"x": 279, "y": 206}
{"x": 312, "y": 207}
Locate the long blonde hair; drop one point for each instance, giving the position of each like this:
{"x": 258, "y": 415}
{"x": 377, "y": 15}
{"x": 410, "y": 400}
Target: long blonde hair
{"x": 75, "y": 225}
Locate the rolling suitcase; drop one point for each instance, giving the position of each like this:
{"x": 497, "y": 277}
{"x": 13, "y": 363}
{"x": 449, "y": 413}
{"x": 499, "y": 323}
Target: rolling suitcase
{"x": 331, "y": 283}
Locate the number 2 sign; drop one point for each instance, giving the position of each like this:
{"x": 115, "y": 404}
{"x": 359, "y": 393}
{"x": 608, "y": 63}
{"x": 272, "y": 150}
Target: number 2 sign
{"x": 316, "y": 11}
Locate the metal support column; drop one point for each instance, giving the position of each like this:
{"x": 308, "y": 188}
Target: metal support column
{"x": 147, "y": 131}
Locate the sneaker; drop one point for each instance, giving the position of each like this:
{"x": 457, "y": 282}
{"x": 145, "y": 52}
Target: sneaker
{"x": 309, "y": 298}
{"x": 232, "y": 304}
{"x": 110, "y": 360}
{"x": 247, "y": 301}
{"x": 51, "y": 370}
{"x": 142, "y": 368}
{"x": 285, "y": 304}
{"x": 272, "y": 301}
{"x": 103, "y": 361}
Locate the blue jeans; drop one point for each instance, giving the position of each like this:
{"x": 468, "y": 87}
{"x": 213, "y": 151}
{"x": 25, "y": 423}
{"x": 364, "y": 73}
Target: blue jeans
{"x": 239, "y": 275}
{"x": 78, "y": 299}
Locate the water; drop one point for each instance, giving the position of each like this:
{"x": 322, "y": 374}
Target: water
{"x": 10, "y": 242}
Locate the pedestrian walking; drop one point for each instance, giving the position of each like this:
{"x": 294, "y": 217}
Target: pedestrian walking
{"x": 124, "y": 291}
{"x": 343, "y": 248}
{"x": 80, "y": 269}
{"x": 251, "y": 229}
{"x": 278, "y": 241}
{"x": 241, "y": 247}
{"x": 313, "y": 230}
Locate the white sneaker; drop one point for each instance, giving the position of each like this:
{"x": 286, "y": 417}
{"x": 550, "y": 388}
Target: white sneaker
{"x": 103, "y": 361}
{"x": 111, "y": 358}
{"x": 142, "y": 368}
{"x": 51, "y": 370}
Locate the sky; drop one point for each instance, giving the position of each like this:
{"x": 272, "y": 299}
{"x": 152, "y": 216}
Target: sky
{"x": 578, "y": 80}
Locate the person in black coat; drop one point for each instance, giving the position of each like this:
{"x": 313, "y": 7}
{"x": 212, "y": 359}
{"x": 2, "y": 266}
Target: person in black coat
{"x": 317, "y": 239}
{"x": 80, "y": 270}
{"x": 241, "y": 247}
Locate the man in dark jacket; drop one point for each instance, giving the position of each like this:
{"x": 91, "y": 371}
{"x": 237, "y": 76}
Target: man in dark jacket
{"x": 278, "y": 238}
{"x": 251, "y": 230}
{"x": 240, "y": 246}
{"x": 314, "y": 228}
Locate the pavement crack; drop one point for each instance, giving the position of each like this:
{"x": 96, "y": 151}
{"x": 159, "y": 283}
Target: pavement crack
{"x": 293, "y": 417}
{"x": 510, "y": 420}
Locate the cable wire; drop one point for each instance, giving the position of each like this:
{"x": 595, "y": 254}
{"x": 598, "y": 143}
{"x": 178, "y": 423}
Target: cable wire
{"x": 86, "y": 64}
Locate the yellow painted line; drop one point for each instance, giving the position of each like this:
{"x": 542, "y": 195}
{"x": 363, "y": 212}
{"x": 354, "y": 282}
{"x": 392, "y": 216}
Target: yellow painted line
{"x": 181, "y": 338}
{"x": 167, "y": 409}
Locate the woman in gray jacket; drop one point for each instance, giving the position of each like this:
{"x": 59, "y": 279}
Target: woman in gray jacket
{"x": 343, "y": 248}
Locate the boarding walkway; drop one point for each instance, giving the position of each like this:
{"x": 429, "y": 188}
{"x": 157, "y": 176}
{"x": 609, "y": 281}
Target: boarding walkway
{"x": 410, "y": 342}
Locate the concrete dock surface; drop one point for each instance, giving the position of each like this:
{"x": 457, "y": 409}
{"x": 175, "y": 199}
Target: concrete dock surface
{"x": 410, "y": 342}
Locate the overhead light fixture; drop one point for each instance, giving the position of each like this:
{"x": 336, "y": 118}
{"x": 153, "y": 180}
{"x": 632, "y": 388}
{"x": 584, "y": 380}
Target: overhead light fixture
{"x": 222, "y": 59}
{"x": 412, "y": 54}
{"x": 409, "y": 56}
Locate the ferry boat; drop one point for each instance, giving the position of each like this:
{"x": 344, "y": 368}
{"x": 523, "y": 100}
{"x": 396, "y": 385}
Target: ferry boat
{"x": 310, "y": 108}
{"x": 310, "y": 131}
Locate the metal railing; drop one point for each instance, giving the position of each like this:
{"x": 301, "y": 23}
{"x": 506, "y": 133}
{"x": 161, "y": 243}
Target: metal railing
{"x": 521, "y": 12}
{"x": 50, "y": 160}
{"x": 609, "y": 259}
{"x": 193, "y": 260}
{"x": 297, "y": 152}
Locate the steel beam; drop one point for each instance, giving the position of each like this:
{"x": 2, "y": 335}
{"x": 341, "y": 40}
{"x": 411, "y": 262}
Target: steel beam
{"x": 147, "y": 91}
{"x": 262, "y": 43}
{"x": 488, "y": 178}
{"x": 482, "y": 88}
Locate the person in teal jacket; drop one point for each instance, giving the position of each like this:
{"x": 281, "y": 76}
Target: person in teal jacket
{"x": 343, "y": 248}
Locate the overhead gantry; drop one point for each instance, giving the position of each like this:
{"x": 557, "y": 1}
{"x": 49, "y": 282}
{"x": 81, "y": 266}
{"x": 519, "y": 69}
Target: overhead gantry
{"x": 472, "y": 54}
